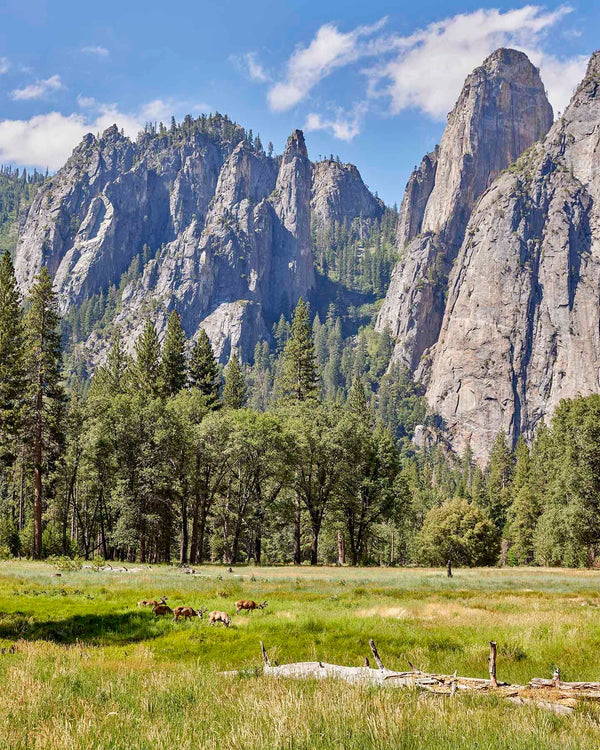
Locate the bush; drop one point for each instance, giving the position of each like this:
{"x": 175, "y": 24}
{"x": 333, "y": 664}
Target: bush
{"x": 51, "y": 540}
{"x": 61, "y": 562}
{"x": 458, "y": 531}
{"x": 9, "y": 535}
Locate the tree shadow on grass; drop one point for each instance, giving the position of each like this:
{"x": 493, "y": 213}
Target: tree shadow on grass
{"x": 98, "y": 630}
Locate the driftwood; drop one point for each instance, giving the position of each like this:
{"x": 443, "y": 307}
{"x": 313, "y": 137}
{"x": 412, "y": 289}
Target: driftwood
{"x": 553, "y": 695}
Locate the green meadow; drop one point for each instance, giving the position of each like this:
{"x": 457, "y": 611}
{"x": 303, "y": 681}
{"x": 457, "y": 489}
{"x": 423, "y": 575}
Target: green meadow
{"x": 81, "y": 666}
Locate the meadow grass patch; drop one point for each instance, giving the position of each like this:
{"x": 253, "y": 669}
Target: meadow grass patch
{"x": 91, "y": 669}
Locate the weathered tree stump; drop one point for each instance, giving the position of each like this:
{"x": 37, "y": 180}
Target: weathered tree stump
{"x": 492, "y": 660}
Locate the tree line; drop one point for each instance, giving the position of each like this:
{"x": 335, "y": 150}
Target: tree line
{"x": 165, "y": 457}
{"x": 161, "y": 460}
{"x": 17, "y": 188}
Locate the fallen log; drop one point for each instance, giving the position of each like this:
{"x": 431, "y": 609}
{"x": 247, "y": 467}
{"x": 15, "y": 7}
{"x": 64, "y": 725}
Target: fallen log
{"x": 536, "y": 682}
{"x": 558, "y": 697}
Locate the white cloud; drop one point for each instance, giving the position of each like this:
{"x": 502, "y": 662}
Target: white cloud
{"x": 426, "y": 69}
{"x": 560, "y": 76}
{"x": 96, "y": 50}
{"x": 255, "y": 69}
{"x": 4, "y": 65}
{"x": 86, "y": 102}
{"x": 330, "y": 49}
{"x": 157, "y": 109}
{"x": 429, "y": 71}
{"x": 163, "y": 109}
{"x": 108, "y": 115}
{"x": 343, "y": 126}
{"x": 47, "y": 140}
{"x": 38, "y": 89}
{"x": 44, "y": 140}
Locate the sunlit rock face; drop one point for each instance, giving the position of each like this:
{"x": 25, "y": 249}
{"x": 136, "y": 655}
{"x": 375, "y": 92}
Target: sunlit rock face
{"x": 222, "y": 229}
{"x": 521, "y": 328}
{"x": 501, "y": 111}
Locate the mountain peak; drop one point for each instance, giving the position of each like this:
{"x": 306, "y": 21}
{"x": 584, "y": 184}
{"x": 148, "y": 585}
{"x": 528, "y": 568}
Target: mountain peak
{"x": 520, "y": 326}
{"x": 508, "y": 57}
{"x": 296, "y": 145}
{"x": 112, "y": 133}
{"x": 588, "y": 89}
{"x": 501, "y": 111}
{"x": 593, "y": 68}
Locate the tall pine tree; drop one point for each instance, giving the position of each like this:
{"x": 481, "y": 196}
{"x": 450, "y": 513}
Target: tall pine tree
{"x": 499, "y": 479}
{"x": 298, "y": 378}
{"x": 357, "y": 400}
{"x": 204, "y": 371}
{"x": 146, "y": 368}
{"x": 109, "y": 380}
{"x": 173, "y": 363}
{"x": 234, "y": 391}
{"x": 44, "y": 368}
{"x": 525, "y": 510}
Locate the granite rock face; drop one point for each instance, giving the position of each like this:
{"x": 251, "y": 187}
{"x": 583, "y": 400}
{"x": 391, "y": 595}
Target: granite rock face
{"x": 522, "y": 323}
{"x": 249, "y": 262}
{"x": 225, "y": 230}
{"x": 501, "y": 111}
{"x": 112, "y": 197}
{"x": 339, "y": 194}
{"x": 416, "y": 195}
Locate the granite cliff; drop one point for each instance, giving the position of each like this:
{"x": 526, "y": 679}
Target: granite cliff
{"x": 521, "y": 328}
{"x": 501, "y": 111}
{"x": 493, "y": 304}
{"x": 222, "y": 228}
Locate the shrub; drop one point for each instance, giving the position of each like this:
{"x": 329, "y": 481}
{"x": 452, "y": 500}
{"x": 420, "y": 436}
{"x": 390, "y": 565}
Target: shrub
{"x": 459, "y": 531}
{"x": 61, "y": 562}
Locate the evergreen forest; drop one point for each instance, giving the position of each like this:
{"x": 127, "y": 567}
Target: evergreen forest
{"x": 307, "y": 455}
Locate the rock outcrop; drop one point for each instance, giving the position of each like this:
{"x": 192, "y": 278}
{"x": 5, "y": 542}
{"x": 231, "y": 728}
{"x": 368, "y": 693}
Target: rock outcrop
{"x": 222, "y": 231}
{"x": 501, "y": 111}
{"x": 416, "y": 195}
{"x": 522, "y": 322}
{"x": 250, "y": 261}
{"x": 110, "y": 199}
{"x": 340, "y": 195}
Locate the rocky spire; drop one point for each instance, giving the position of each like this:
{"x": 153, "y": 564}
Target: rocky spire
{"x": 522, "y": 322}
{"x": 292, "y": 268}
{"x": 339, "y": 194}
{"x": 416, "y": 195}
{"x": 501, "y": 111}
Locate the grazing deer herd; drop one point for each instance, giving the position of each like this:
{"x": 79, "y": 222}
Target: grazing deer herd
{"x": 160, "y": 609}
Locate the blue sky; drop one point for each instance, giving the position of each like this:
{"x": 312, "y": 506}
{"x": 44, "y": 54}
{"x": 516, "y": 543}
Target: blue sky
{"x": 370, "y": 81}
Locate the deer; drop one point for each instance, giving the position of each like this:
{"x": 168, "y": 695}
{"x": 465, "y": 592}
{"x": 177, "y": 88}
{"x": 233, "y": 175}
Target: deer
{"x": 249, "y": 605}
{"x": 215, "y": 617}
{"x": 152, "y": 602}
{"x": 188, "y": 612}
{"x": 162, "y": 609}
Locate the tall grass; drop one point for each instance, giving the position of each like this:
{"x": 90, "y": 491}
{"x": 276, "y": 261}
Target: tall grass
{"x": 92, "y": 670}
